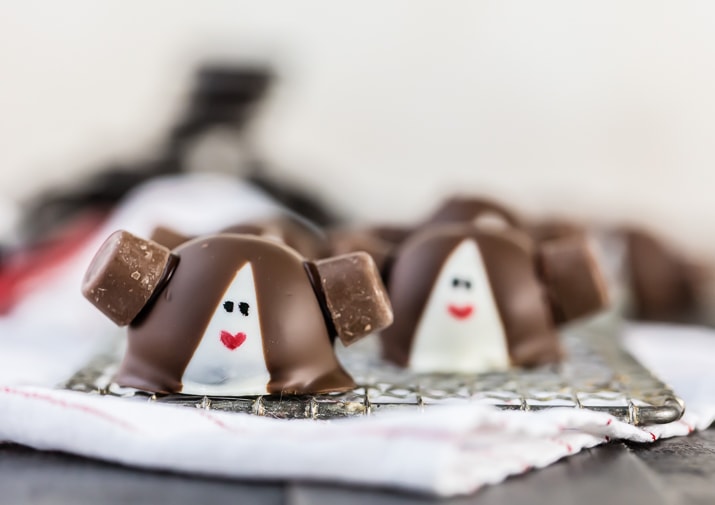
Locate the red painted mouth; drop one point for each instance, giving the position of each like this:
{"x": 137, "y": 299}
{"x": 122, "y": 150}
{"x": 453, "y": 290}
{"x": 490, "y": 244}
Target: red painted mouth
{"x": 460, "y": 311}
{"x": 232, "y": 341}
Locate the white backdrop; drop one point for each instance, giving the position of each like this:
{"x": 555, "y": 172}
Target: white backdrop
{"x": 601, "y": 109}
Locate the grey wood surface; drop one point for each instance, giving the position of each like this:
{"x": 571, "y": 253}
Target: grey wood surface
{"x": 680, "y": 470}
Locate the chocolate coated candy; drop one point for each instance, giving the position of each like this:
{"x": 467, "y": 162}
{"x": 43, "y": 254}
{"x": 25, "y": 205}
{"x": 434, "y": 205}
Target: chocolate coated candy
{"x": 241, "y": 315}
{"x": 469, "y": 300}
{"x": 572, "y": 278}
{"x": 124, "y": 275}
{"x": 354, "y": 295}
{"x": 665, "y": 285}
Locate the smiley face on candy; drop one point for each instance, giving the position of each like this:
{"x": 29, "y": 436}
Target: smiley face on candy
{"x": 233, "y": 315}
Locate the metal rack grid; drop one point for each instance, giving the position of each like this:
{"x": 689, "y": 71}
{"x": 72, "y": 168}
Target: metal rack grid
{"x": 597, "y": 374}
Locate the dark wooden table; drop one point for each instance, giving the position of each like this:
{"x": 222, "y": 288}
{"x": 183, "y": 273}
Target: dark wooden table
{"x": 680, "y": 470}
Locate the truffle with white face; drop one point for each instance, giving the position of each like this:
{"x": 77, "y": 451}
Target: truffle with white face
{"x": 234, "y": 315}
{"x": 468, "y": 299}
{"x": 460, "y": 329}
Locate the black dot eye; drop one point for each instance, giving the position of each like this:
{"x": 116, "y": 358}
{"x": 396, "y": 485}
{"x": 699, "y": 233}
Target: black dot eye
{"x": 228, "y": 306}
{"x": 464, "y": 282}
{"x": 243, "y": 307}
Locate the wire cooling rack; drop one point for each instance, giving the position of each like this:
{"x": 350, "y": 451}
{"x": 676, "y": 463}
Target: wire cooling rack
{"x": 598, "y": 374}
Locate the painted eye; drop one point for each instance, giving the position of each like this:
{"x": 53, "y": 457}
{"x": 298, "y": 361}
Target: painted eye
{"x": 243, "y": 307}
{"x": 228, "y": 306}
{"x": 464, "y": 282}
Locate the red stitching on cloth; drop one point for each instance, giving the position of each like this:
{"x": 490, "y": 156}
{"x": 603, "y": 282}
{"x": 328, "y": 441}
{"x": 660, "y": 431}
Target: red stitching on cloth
{"x": 652, "y": 435}
{"x": 690, "y": 428}
{"x": 565, "y": 444}
{"x": 218, "y": 422}
{"x": 419, "y": 433}
{"x": 73, "y": 406}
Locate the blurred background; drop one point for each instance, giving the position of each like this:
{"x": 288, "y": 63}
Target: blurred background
{"x": 600, "y": 110}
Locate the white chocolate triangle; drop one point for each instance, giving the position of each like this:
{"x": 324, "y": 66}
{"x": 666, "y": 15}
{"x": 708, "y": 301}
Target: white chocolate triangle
{"x": 472, "y": 343}
{"x": 215, "y": 369}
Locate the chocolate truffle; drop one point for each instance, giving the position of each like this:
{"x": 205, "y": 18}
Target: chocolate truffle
{"x": 655, "y": 281}
{"x": 236, "y": 315}
{"x": 470, "y": 300}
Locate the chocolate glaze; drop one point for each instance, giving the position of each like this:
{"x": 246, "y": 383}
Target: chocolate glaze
{"x": 347, "y": 240}
{"x": 664, "y": 285}
{"x": 530, "y": 300}
{"x": 297, "y": 312}
{"x": 509, "y": 262}
{"x": 381, "y": 241}
{"x": 461, "y": 209}
{"x": 572, "y": 279}
{"x": 292, "y": 230}
{"x": 298, "y": 350}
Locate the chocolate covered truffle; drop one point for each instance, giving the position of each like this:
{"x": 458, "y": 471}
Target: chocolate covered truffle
{"x": 649, "y": 279}
{"x": 234, "y": 314}
{"x": 471, "y": 300}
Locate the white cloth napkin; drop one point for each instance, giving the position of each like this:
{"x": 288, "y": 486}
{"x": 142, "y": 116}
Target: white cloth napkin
{"x": 445, "y": 451}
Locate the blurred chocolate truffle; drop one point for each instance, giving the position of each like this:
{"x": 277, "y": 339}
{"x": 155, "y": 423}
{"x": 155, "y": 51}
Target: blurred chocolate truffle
{"x": 471, "y": 300}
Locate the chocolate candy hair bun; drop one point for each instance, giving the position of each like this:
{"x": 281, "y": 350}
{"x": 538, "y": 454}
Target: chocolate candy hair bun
{"x": 472, "y": 300}
{"x": 234, "y": 314}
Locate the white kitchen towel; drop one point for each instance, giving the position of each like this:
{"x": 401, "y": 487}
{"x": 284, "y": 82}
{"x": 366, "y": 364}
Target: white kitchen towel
{"x": 445, "y": 451}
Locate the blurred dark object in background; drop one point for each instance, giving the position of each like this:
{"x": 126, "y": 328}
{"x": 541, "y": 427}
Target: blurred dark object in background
{"x": 224, "y": 96}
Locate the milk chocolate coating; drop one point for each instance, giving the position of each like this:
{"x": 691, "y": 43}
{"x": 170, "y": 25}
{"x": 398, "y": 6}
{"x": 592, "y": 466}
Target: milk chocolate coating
{"x": 382, "y": 241}
{"x": 354, "y": 295}
{"x": 664, "y": 284}
{"x": 298, "y": 349}
{"x": 298, "y": 233}
{"x": 509, "y": 262}
{"x": 572, "y": 278}
{"x": 294, "y": 231}
{"x": 462, "y": 209}
{"x": 168, "y": 237}
{"x": 346, "y": 241}
{"x": 124, "y": 275}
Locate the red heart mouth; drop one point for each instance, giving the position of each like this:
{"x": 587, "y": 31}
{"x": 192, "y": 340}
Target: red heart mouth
{"x": 232, "y": 341}
{"x": 460, "y": 312}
